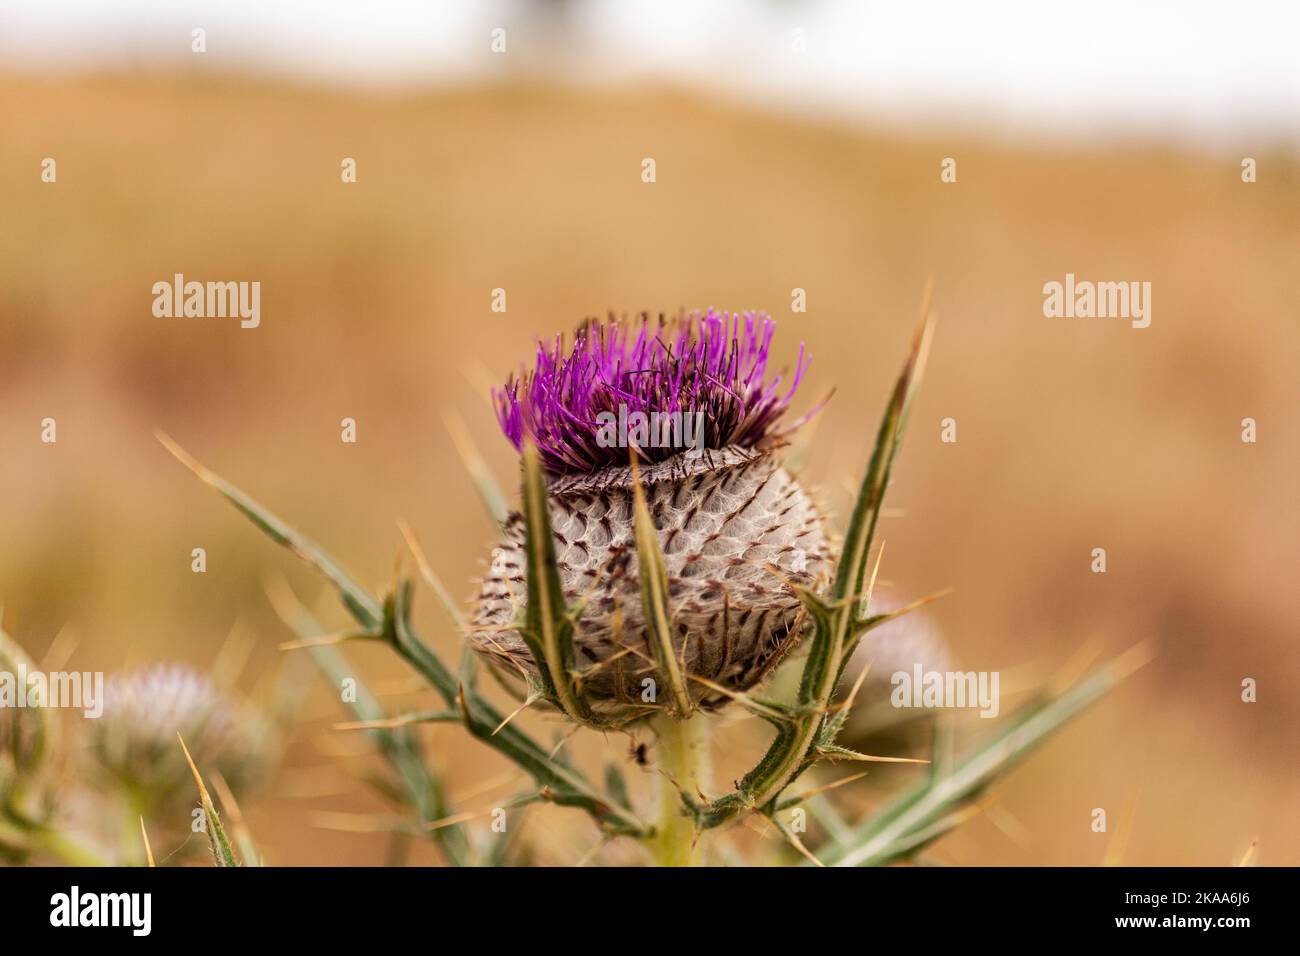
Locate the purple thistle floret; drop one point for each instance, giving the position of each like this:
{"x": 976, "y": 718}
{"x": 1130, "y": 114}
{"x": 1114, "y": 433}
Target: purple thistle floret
{"x": 713, "y": 363}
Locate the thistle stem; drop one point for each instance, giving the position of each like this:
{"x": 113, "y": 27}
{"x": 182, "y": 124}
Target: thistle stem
{"x": 683, "y": 759}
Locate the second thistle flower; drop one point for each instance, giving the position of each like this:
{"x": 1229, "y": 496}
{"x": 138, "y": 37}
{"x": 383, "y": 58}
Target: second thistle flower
{"x": 135, "y": 742}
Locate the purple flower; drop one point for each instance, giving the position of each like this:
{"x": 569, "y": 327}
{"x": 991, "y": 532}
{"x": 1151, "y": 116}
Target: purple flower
{"x": 708, "y": 369}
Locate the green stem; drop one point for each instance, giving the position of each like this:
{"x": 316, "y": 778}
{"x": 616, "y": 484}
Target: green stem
{"x": 683, "y": 757}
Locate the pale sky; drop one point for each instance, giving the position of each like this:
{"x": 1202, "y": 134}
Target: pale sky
{"x": 1215, "y": 72}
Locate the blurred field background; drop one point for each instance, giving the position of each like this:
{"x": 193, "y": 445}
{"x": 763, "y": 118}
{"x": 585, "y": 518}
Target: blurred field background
{"x": 1072, "y": 434}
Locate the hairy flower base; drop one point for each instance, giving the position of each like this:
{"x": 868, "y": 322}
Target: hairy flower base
{"x": 737, "y": 533}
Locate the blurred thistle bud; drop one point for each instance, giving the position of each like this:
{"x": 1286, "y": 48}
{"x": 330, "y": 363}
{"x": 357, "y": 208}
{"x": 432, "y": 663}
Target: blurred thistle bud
{"x": 902, "y": 645}
{"x": 692, "y": 399}
{"x": 27, "y": 729}
{"x": 135, "y": 739}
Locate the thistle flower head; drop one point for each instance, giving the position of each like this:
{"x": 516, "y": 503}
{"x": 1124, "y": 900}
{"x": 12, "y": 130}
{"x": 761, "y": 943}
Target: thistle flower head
{"x": 737, "y": 533}
{"x": 712, "y": 365}
{"x": 135, "y": 739}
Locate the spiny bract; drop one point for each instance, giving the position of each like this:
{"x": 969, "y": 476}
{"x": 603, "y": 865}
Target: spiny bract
{"x": 737, "y": 531}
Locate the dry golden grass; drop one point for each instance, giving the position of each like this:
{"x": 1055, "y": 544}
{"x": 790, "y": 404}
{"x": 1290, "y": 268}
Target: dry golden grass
{"x": 1073, "y": 434}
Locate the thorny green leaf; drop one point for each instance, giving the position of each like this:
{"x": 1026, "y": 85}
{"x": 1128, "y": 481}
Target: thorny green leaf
{"x": 654, "y": 597}
{"x": 480, "y": 717}
{"x": 422, "y": 788}
{"x": 916, "y": 818}
{"x": 548, "y": 627}
{"x": 223, "y": 854}
{"x": 836, "y": 626}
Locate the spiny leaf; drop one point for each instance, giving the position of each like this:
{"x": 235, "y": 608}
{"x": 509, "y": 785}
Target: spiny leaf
{"x": 327, "y": 640}
{"x": 851, "y": 571}
{"x": 548, "y": 628}
{"x": 834, "y": 617}
{"x": 794, "y": 801}
{"x": 243, "y": 836}
{"x": 794, "y": 841}
{"x": 893, "y": 831}
{"x": 864, "y": 624}
{"x": 654, "y": 596}
{"x": 527, "y": 702}
{"x": 423, "y": 789}
{"x": 771, "y": 711}
{"x": 431, "y": 579}
{"x": 402, "y": 720}
{"x": 486, "y": 723}
{"x": 831, "y": 728}
{"x": 833, "y": 752}
{"x": 482, "y": 719}
{"x": 468, "y": 673}
{"x": 223, "y": 854}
